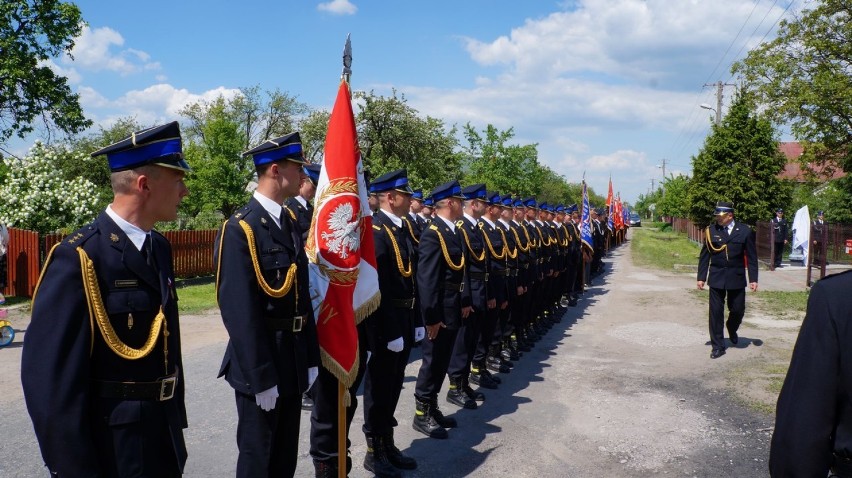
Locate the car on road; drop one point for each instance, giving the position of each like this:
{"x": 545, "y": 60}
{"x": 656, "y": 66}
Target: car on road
{"x": 634, "y": 220}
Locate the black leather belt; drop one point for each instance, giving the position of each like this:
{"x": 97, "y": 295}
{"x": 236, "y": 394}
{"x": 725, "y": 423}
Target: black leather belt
{"x": 512, "y": 272}
{"x": 483, "y": 276}
{"x": 525, "y": 265}
{"x": 158, "y": 390}
{"x": 293, "y": 324}
{"x": 501, "y": 273}
{"x": 454, "y": 287}
{"x": 403, "y": 303}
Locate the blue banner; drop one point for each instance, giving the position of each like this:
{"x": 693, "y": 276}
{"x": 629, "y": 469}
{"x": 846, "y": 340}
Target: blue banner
{"x": 586, "y": 221}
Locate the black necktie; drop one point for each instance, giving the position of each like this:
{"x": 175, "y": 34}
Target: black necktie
{"x": 148, "y": 251}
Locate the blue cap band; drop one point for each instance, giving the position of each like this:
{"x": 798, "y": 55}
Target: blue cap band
{"x": 388, "y": 185}
{"x": 275, "y": 154}
{"x": 142, "y": 155}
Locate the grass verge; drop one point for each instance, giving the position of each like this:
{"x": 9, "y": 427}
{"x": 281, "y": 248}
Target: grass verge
{"x": 662, "y": 249}
{"x": 196, "y": 298}
{"x": 782, "y": 304}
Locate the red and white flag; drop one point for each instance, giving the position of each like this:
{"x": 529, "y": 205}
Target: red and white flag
{"x": 344, "y": 282}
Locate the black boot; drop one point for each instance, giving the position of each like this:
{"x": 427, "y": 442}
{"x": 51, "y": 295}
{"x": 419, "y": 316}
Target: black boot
{"x": 474, "y": 395}
{"x": 325, "y": 469}
{"x": 494, "y": 361}
{"x": 493, "y": 378}
{"x": 440, "y": 419}
{"x": 395, "y": 456}
{"x": 456, "y": 395}
{"x": 377, "y": 461}
{"x": 425, "y": 422}
{"x": 508, "y": 353}
{"x": 523, "y": 344}
{"x": 479, "y": 376}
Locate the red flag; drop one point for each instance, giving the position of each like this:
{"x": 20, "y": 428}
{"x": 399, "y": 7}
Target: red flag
{"x": 344, "y": 282}
{"x": 609, "y": 197}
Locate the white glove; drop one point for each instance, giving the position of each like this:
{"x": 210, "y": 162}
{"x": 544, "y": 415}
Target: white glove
{"x": 313, "y": 372}
{"x": 395, "y": 345}
{"x": 266, "y": 399}
{"x": 419, "y": 333}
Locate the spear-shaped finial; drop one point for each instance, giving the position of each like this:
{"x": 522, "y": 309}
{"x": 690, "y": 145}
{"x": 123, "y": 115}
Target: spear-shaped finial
{"x": 347, "y": 59}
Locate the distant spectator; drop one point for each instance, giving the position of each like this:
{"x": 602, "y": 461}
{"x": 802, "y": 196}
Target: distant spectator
{"x": 817, "y": 233}
{"x": 779, "y": 226}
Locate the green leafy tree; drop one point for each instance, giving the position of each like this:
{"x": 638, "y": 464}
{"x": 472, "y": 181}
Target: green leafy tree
{"x": 802, "y": 77}
{"x": 31, "y": 33}
{"x": 313, "y": 129}
{"x": 38, "y": 199}
{"x": 739, "y": 162}
{"x": 393, "y": 135}
{"x": 506, "y": 167}
{"x": 674, "y": 198}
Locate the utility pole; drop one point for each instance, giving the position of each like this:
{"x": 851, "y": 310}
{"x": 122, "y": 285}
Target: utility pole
{"x": 720, "y": 93}
{"x": 652, "y": 185}
{"x": 663, "y": 165}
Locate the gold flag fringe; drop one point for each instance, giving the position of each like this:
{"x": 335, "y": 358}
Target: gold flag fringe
{"x": 368, "y": 307}
{"x": 346, "y": 378}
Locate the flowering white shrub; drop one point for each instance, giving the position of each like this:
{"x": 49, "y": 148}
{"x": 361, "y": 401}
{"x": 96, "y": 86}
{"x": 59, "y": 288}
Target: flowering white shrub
{"x": 35, "y": 195}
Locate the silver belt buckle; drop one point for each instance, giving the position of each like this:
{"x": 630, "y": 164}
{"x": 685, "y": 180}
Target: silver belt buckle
{"x": 461, "y": 287}
{"x": 167, "y": 388}
{"x": 298, "y": 322}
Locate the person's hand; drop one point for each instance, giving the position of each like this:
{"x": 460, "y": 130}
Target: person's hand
{"x": 492, "y": 303}
{"x": 313, "y": 373}
{"x": 701, "y": 285}
{"x": 266, "y": 399}
{"x": 521, "y": 290}
{"x": 504, "y": 304}
{"x": 753, "y": 286}
{"x": 419, "y": 333}
{"x": 432, "y": 330}
{"x": 466, "y": 311}
{"x": 395, "y": 345}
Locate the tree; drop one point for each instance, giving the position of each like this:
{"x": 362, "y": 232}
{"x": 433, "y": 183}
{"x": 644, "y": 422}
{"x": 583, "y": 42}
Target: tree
{"x": 739, "y": 162}
{"x": 393, "y": 135}
{"x": 215, "y": 136}
{"x": 505, "y": 167}
{"x": 31, "y": 33}
{"x": 673, "y": 200}
{"x": 313, "y": 129}
{"x": 36, "y": 198}
{"x": 802, "y": 77}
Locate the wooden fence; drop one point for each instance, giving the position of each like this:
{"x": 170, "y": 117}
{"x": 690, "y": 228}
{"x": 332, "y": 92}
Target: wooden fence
{"x": 192, "y": 256}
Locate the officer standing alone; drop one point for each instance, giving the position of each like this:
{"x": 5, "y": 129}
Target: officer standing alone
{"x": 101, "y": 365}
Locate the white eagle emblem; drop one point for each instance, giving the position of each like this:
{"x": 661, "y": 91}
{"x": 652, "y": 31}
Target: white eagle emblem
{"x": 343, "y": 237}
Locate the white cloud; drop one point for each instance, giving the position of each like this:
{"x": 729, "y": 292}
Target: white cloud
{"x": 154, "y": 104}
{"x": 338, "y": 7}
{"x": 71, "y": 74}
{"x": 95, "y": 50}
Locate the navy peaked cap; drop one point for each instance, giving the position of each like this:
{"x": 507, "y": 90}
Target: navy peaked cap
{"x": 160, "y": 145}
{"x": 287, "y": 147}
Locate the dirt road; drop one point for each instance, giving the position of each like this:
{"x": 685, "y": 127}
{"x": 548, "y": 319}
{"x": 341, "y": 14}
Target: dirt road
{"x": 623, "y": 386}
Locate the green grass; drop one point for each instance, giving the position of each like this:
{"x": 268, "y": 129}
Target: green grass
{"x": 15, "y": 300}
{"x": 196, "y": 298}
{"x": 781, "y": 304}
{"x": 662, "y": 249}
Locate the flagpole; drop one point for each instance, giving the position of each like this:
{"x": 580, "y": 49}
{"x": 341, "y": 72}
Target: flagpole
{"x": 342, "y": 451}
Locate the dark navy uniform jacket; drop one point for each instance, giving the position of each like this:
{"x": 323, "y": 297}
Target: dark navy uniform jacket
{"x": 476, "y": 269}
{"x": 263, "y": 350}
{"x": 522, "y": 240}
{"x": 417, "y": 224}
{"x": 546, "y": 249}
{"x": 780, "y": 227}
{"x": 726, "y": 268}
{"x": 387, "y": 323}
{"x": 441, "y": 289}
{"x": 303, "y": 216}
{"x": 497, "y": 283}
{"x": 65, "y": 353}
{"x": 813, "y": 419}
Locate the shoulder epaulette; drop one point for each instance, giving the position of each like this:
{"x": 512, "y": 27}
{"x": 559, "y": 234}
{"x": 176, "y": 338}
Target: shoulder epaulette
{"x": 290, "y": 212}
{"x": 460, "y": 223}
{"x": 377, "y": 227}
{"x": 81, "y": 235}
{"x": 243, "y": 211}
{"x": 433, "y": 227}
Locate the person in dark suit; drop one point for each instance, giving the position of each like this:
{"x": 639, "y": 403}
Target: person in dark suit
{"x": 418, "y": 222}
{"x": 301, "y": 204}
{"x": 394, "y": 327}
{"x": 443, "y": 288}
{"x": 813, "y": 419}
{"x": 489, "y": 348}
{"x": 779, "y": 228}
{"x": 101, "y": 365}
{"x": 515, "y": 284}
{"x": 477, "y": 267}
{"x": 818, "y": 234}
{"x": 262, "y": 290}
{"x": 728, "y": 250}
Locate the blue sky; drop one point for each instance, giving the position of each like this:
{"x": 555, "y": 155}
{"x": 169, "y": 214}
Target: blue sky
{"x": 609, "y": 87}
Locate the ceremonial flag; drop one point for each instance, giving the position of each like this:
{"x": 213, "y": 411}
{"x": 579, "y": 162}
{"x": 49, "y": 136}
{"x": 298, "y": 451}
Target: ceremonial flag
{"x": 344, "y": 282}
{"x": 617, "y": 213}
{"x": 586, "y": 222}
{"x": 610, "y": 203}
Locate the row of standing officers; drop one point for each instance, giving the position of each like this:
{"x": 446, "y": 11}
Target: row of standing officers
{"x": 476, "y": 285}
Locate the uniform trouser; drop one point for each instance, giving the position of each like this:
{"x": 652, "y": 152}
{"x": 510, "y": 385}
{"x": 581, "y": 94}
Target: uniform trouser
{"x": 268, "y": 442}
{"x": 486, "y": 334}
{"x": 580, "y": 269}
{"x": 324, "y": 426}
{"x": 779, "y": 252}
{"x": 736, "y": 310}
{"x": 465, "y": 345}
{"x": 516, "y": 320}
{"x": 383, "y": 381}
{"x": 434, "y": 365}
{"x": 504, "y": 326}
